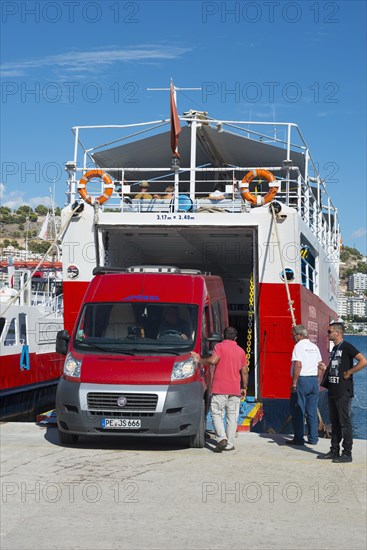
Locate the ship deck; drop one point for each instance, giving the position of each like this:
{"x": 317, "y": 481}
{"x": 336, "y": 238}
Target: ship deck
{"x": 131, "y": 493}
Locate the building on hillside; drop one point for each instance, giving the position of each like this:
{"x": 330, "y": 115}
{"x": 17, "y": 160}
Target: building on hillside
{"x": 19, "y": 254}
{"x": 352, "y": 306}
{"x": 357, "y": 306}
{"x": 343, "y": 306}
{"x": 357, "y": 282}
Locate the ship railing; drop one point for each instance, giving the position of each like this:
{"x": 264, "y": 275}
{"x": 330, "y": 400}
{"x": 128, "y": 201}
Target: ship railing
{"x": 303, "y": 188}
{"x": 51, "y": 303}
{"x": 295, "y": 193}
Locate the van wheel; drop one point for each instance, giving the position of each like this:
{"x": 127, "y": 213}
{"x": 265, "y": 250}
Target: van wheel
{"x": 67, "y": 439}
{"x": 197, "y": 441}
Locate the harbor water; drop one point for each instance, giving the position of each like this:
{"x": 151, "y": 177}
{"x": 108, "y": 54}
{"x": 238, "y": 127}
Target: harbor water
{"x": 359, "y": 404}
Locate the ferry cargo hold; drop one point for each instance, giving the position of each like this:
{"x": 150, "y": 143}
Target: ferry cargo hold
{"x": 248, "y": 206}
{"x": 129, "y": 369}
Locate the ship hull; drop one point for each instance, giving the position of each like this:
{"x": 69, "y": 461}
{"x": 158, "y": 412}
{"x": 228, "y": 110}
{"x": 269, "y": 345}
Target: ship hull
{"x": 28, "y": 391}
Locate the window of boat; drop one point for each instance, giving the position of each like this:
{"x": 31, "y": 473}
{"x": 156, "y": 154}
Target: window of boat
{"x": 308, "y": 266}
{"x": 10, "y": 338}
{"x": 137, "y": 327}
{"x": 23, "y": 328}
{"x": 2, "y": 325}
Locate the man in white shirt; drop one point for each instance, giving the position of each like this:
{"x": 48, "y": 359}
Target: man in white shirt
{"x": 306, "y": 360}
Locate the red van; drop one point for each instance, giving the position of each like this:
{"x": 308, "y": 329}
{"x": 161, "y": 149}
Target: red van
{"x": 128, "y": 368}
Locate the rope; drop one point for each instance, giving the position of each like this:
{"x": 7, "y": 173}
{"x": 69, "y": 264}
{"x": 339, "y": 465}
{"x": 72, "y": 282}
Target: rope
{"x": 290, "y": 301}
{"x": 54, "y": 242}
{"x": 210, "y": 209}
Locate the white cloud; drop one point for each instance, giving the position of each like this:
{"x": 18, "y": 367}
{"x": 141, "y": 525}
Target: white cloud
{"x": 361, "y": 232}
{"x": 16, "y": 198}
{"x": 89, "y": 61}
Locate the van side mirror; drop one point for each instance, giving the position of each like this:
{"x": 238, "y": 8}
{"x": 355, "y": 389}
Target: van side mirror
{"x": 213, "y": 338}
{"x": 62, "y": 342}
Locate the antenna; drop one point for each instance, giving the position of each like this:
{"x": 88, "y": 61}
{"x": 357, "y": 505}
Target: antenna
{"x": 275, "y": 128}
{"x": 175, "y": 90}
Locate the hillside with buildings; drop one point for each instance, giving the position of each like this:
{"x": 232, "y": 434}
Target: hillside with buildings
{"x": 353, "y": 290}
{"x": 26, "y": 233}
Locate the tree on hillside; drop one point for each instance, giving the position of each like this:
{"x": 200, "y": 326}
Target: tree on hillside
{"x": 37, "y": 247}
{"x": 4, "y": 210}
{"x": 361, "y": 267}
{"x": 5, "y": 214}
{"x": 41, "y": 210}
{"x": 349, "y": 251}
{"x": 24, "y": 209}
{"x": 344, "y": 255}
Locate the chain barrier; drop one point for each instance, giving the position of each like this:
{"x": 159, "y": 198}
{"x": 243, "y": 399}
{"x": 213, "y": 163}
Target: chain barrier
{"x": 106, "y": 249}
{"x": 250, "y": 319}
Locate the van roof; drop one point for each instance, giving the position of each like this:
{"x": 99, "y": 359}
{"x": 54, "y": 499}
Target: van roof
{"x": 152, "y": 287}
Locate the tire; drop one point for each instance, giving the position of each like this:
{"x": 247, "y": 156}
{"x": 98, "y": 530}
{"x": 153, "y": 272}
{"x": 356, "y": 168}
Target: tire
{"x": 67, "y": 439}
{"x": 197, "y": 441}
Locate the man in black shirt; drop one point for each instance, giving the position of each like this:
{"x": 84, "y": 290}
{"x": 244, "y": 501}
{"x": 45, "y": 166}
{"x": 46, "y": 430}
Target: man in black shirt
{"x": 339, "y": 381}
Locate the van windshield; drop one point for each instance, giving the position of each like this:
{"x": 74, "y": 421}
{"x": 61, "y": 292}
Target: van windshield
{"x": 138, "y": 327}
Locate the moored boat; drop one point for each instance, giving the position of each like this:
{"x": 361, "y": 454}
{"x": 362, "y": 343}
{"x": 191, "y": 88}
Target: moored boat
{"x": 30, "y": 317}
{"x": 248, "y": 205}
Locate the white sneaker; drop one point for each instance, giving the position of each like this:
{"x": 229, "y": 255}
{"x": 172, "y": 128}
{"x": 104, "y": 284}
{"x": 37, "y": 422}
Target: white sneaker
{"x": 229, "y": 447}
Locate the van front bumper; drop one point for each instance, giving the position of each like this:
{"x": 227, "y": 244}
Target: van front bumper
{"x": 177, "y": 411}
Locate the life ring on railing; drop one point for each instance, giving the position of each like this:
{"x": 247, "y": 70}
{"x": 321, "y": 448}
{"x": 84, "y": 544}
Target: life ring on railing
{"x": 259, "y": 200}
{"x": 107, "y": 191}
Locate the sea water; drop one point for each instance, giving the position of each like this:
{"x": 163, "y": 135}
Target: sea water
{"x": 359, "y": 403}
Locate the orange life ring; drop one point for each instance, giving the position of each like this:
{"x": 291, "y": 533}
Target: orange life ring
{"x": 259, "y": 200}
{"x": 107, "y": 191}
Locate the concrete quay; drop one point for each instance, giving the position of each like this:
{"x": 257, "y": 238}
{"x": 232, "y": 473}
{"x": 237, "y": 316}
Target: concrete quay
{"x": 110, "y": 493}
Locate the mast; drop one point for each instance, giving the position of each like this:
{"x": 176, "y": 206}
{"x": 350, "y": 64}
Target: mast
{"x": 52, "y": 195}
{"x": 175, "y": 154}
{"x": 26, "y": 236}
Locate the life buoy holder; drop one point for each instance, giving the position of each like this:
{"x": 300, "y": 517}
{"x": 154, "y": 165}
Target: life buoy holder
{"x": 259, "y": 200}
{"x": 107, "y": 190}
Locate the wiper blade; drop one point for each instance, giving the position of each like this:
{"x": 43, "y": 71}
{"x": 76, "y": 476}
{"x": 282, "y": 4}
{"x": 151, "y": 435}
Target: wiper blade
{"x": 160, "y": 350}
{"x": 103, "y": 348}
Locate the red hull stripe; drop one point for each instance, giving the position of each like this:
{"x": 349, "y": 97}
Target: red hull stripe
{"x": 43, "y": 368}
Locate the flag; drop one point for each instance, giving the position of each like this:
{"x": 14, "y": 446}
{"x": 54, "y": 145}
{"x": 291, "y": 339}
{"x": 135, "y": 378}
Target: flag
{"x": 175, "y": 124}
{"x": 43, "y": 233}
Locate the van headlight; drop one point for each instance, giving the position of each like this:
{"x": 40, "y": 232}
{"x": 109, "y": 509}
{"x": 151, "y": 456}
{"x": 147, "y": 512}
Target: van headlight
{"x": 183, "y": 369}
{"x": 72, "y": 366}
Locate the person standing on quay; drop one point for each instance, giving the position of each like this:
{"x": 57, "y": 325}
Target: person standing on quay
{"x": 231, "y": 374}
{"x": 339, "y": 381}
{"x": 304, "y": 398}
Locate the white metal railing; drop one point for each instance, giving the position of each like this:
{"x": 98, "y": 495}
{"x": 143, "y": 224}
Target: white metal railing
{"x": 304, "y": 191}
{"x": 54, "y": 304}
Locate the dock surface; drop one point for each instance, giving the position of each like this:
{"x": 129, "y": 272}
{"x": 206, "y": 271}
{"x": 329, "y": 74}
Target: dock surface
{"x": 110, "y": 493}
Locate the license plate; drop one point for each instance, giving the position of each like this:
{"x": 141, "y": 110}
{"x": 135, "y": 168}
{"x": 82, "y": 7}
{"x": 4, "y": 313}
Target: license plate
{"x": 124, "y": 423}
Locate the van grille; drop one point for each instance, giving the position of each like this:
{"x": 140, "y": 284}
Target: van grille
{"x": 135, "y": 401}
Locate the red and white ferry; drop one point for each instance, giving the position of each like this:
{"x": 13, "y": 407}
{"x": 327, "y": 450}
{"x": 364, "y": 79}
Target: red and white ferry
{"x": 248, "y": 205}
{"x": 31, "y": 314}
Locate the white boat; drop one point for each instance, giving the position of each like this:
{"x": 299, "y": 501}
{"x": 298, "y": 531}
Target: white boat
{"x": 31, "y": 314}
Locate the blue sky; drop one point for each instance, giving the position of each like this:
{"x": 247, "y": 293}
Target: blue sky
{"x": 69, "y": 63}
